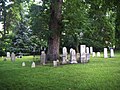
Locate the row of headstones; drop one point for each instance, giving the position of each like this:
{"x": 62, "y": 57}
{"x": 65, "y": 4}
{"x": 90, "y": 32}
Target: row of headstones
{"x": 83, "y": 56}
{"x": 32, "y": 65}
{"x": 105, "y": 53}
{"x": 12, "y": 56}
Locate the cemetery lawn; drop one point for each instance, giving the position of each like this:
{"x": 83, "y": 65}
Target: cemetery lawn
{"x": 98, "y": 74}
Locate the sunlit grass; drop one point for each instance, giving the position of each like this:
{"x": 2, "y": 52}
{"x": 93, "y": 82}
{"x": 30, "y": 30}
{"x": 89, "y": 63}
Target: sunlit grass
{"x": 98, "y": 74}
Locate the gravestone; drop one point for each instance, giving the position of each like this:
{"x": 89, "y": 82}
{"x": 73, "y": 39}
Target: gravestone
{"x": 43, "y": 58}
{"x": 8, "y": 54}
{"x": 98, "y": 54}
{"x": 23, "y": 64}
{"x": 71, "y": 49}
{"x": 73, "y": 57}
{"x": 87, "y": 50}
{"x": 64, "y": 56}
{"x": 93, "y": 54}
{"x": 33, "y": 65}
{"x": 55, "y": 63}
{"x": 112, "y": 52}
{"x": 83, "y": 58}
{"x": 87, "y": 53}
{"x": 91, "y": 50}
{"x": 12, "y": 57}
{"x": 105, "y": 53}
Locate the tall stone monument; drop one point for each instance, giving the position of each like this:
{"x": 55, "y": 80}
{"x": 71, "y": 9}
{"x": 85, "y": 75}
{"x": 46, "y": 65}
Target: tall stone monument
{"x": 105, "y": 53}
{"x": 64, "y": 56}
{"x": 13, "y": 57}
{"x": 43, "y": 58}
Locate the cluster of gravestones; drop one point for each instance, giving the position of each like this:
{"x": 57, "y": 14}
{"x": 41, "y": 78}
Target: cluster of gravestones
{"x": 82, "y": 57}
{"x": 12, "y": 56}
{"x": 105, "y": 53}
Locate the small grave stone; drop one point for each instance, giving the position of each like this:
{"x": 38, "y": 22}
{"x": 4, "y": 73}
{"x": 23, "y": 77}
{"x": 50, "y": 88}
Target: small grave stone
{"x": 55, "y": 63}
{"x": 73, "y": 57}
{"x": 71, "y": 49}
{"x": 105, "y": 53}
{"x": 64, "y": 56}
{"x": 91, "y": 50}
{"x": 43, "y": 58}
{"x": 12, "y": 57}
{"x": 8, "y": 54}
{"x": 112, "y": 52}
{"x": 88, "y": 57}
{"x": 98, "y": 54}
{"x": 87, "y": 50}
{"x": 93, "y": 54}
{"x": 23, "y": 64}
{"x": 33, "y": 65}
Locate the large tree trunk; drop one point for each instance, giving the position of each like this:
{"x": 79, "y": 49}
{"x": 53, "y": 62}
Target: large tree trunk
{"x": 55, "y": 29}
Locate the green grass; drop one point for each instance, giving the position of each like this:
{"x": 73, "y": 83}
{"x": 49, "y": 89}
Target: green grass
{"x": 98, "y": 74}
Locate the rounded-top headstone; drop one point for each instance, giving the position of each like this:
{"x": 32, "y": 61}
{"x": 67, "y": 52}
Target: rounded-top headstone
{"x": 33, "y": 65}
{"x": 105, "y": 53}
{"x": 23, "y": 64}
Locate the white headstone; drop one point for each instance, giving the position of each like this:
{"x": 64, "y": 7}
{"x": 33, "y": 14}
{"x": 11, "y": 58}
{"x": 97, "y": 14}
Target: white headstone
{"x": 93, "y": 54}
{"x": 112, "y": 52}
{"x": 83, "y": 57}
{"x": 64, "y": 56}
{"x": 23, "y": 64}
{"x": 73, "y": 57}
{"x": 71, "y": 49}
{"x": 8, "y": 54}
{"x": 91, "y": 50}
{"x": 33, "y": 65}
{"x": 98, "y": 54}
{"x": 105, "y": 53}
{"x": 82, "y": 49}
{"x": 55, "y": 63}
{"x": 43, "y": 57}
{"x": 12, "y": 57}
{"x": 87, "y": 50}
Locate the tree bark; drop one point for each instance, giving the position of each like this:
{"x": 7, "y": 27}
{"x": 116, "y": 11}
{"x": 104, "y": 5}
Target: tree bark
{"x": 55, "y": 29}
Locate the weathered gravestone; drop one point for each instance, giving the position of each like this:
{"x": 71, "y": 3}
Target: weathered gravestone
{"x": 8, "y": 54}
{"x": 91, "y": 50}
{"x": 98, "y": 54}
{"x": 33, "y": 65}
{"x": 93, "y": 54}
{"x": 73, "y": 57}
{"x": 83, "y": 58}
{"x": 43, "y": 57}
{"x": 105, "y": 53}
{"x": 87, "y": 54}
{"x": 12, "y": 57}
{"x": 64, "y": 56}
{"x": 71, "y": 49}
{"x": 23, "y": 64}
{"x": 87, "y": 50}
{"x": 55, "y": 63}
{"x": 112, "y": 52}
